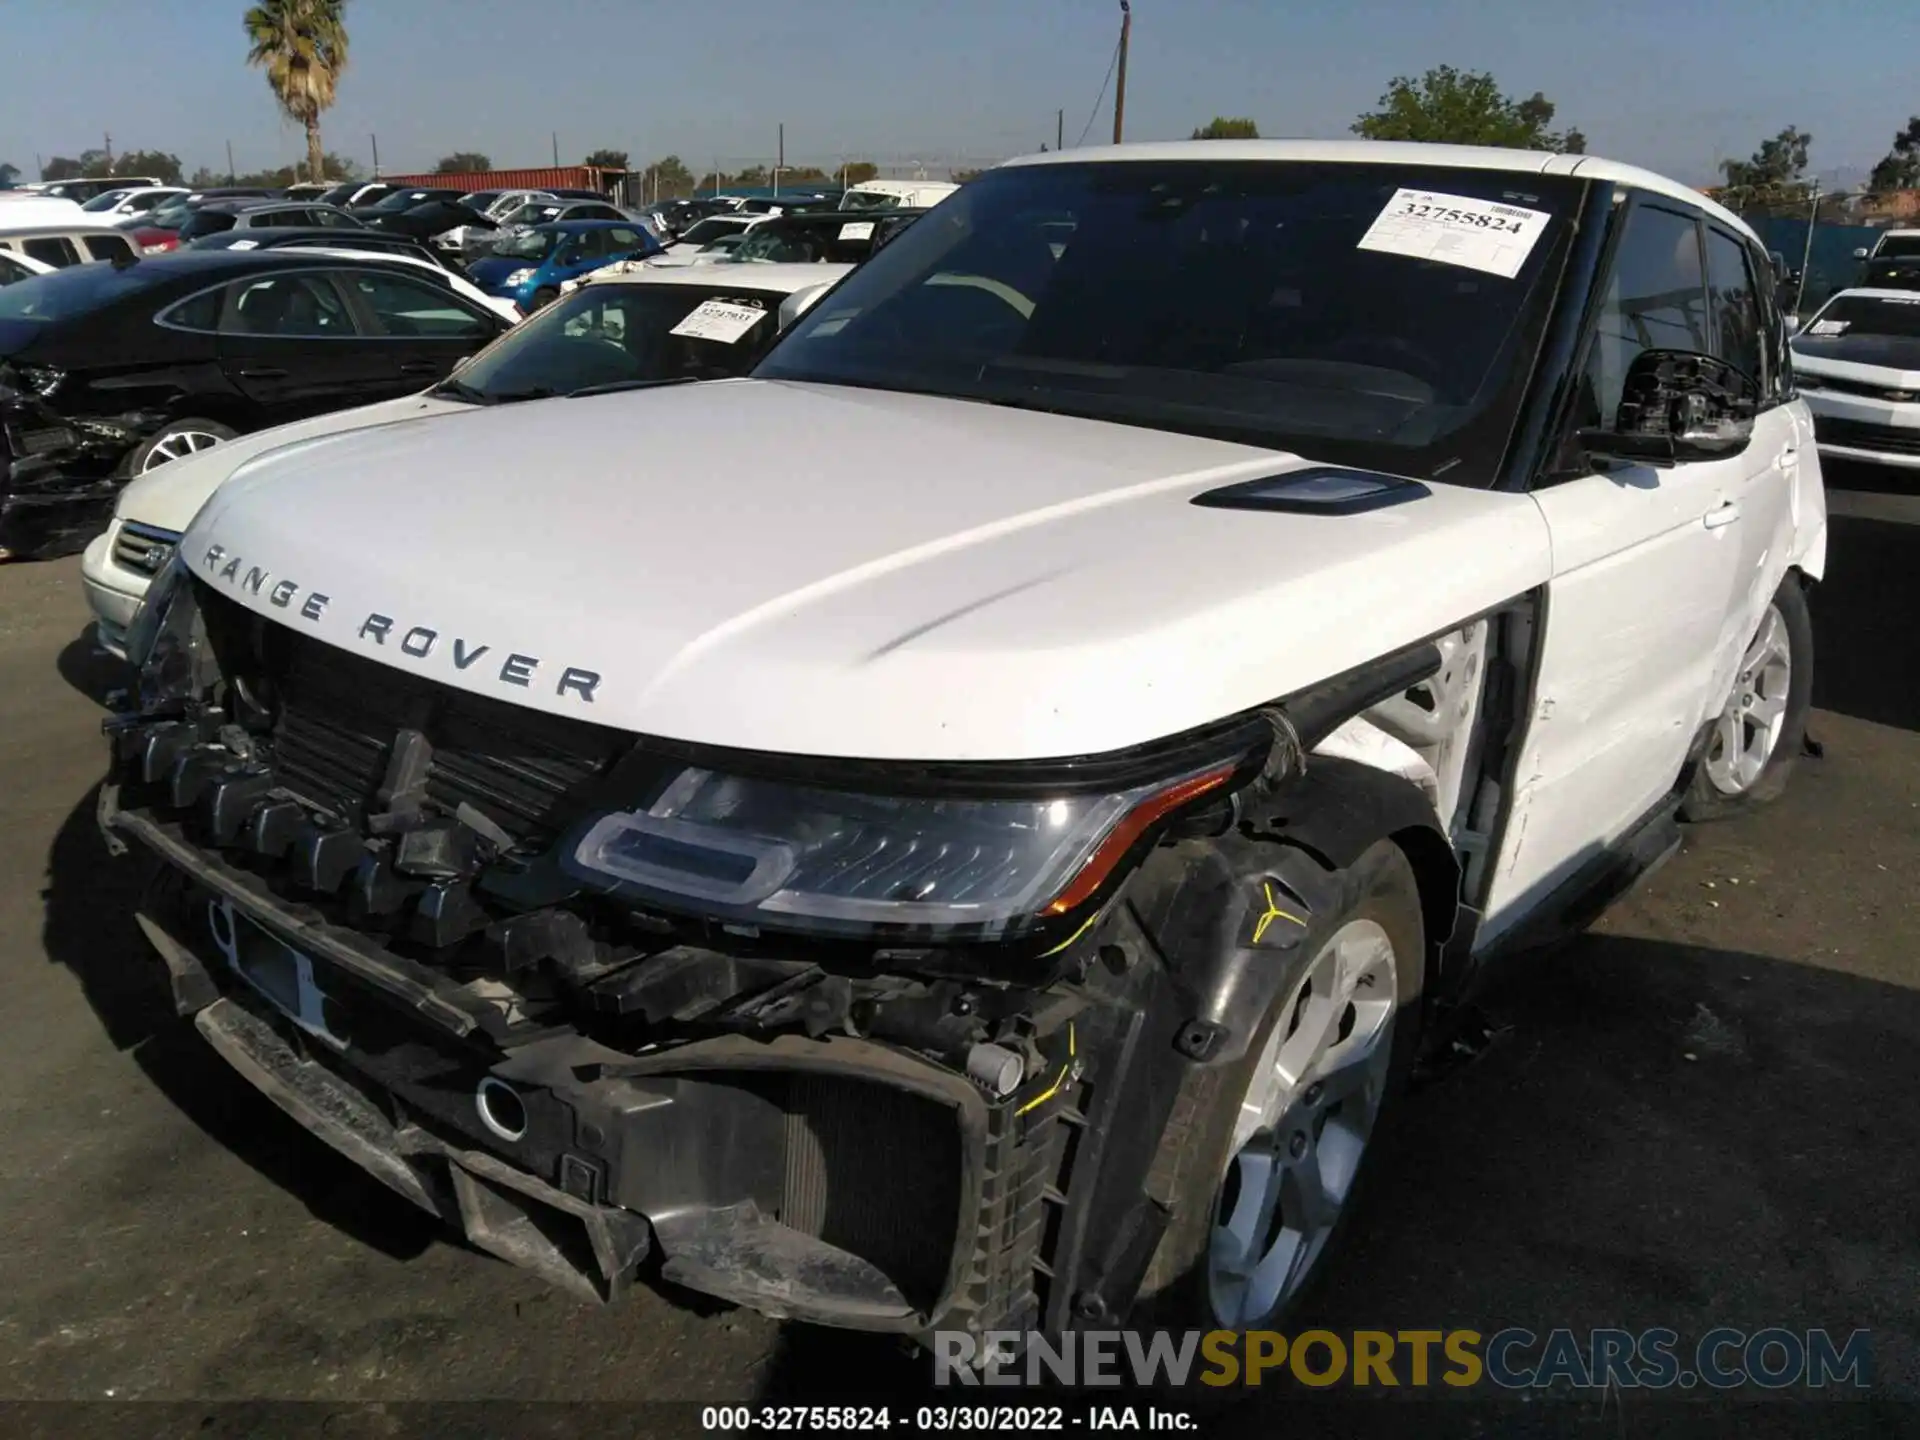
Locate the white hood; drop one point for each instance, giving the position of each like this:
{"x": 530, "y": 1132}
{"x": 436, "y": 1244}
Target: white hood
{"x": 172, "y": 495}
{"x": 980, "y": 583}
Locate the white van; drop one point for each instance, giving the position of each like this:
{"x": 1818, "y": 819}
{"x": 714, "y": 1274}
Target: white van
{"x": 896, "y": 194}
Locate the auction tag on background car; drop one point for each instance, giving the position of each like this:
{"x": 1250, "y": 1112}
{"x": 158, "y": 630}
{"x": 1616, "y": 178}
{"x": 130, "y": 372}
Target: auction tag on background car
{"x": 857, "y": 230}
{"x": 1828, "y": 327}
{"x": 1457, "y": 230}
{"x": 717, "y": 320}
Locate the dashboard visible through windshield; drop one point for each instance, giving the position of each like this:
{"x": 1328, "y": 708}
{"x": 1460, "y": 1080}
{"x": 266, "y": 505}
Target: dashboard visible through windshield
{"x": 1369, "y": 314}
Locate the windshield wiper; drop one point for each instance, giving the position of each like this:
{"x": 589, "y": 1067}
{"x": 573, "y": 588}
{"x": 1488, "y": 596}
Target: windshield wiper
{"x": 612, "y": 387}
{"x": 461, "y": 391}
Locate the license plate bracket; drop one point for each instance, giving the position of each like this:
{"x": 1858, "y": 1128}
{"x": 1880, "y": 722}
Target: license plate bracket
{"x": 276, "y": 971}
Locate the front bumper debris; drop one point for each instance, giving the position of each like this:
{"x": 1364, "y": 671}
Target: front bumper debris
{"x": 834, "y": 1180}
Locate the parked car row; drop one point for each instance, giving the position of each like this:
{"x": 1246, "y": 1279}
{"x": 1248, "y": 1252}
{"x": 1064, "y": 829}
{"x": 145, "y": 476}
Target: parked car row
{"x": 968, "y": 824}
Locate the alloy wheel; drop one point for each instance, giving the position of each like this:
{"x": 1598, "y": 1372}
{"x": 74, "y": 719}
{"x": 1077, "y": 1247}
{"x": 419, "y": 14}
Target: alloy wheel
{"x": 1303, "y": 1126}
{"x": 1748, "y": 731}
{"x": 177, "y": 445}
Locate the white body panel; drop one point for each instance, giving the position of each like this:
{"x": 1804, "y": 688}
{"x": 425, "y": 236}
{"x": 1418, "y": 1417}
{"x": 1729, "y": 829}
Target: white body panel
{"x": 1031, "y": 586}
{"x": 1814, "y": 372}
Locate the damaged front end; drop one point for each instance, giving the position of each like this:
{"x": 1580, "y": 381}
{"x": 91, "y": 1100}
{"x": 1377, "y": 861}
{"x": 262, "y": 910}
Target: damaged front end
{"x": 844, "y": 1043}
{"x": 59, "y": 475}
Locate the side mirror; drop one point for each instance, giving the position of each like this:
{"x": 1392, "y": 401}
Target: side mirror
{"x": 1676, "y": 405}
{"x": 1860, "y": 254}
{"x": 1792, "y": 322}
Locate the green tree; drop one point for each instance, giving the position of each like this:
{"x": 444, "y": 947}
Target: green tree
{"x": 1780, "y": 161}
{"x": 158, "y": 163}
{"x": 859, "y": 172}
{"x": 1899, "y": 169}
{"x": 95, "y": 164}
{"x": 1221, "y": 128}
{"x": 463, "y": 162}
{"x": 302, "y": 45}
{"x": 8, "y": 173}
{"x": 60, "y": 167}
{"x": 1446, "y": 106}
{"x": 753, "y": 175}
{"x": 608, "y": 159}
{"x": 667, "y": 179}
{"x": 205, "y": 179}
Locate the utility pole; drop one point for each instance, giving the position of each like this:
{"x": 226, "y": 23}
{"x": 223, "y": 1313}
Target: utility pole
{"x": 230, "y": 172}
{"x": 376, "y": 155}
{"x": 1806, "y": 251}
{"x": 780, "y": 159}
{"x": 556, "y": 149}
{"x": 109, "y": 140}
{"x": 1059, "y": 129}
{"x": 1120, "y": 80}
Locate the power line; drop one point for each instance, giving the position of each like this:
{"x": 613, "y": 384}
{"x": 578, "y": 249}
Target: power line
{"x": 1102, "y": 96}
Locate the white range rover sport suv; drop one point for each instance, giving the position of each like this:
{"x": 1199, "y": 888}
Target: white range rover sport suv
{"x": 968, "y": 826}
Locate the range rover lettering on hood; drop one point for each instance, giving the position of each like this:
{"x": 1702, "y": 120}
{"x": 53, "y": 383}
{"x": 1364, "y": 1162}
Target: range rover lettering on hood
{"x": 415, "y": 642}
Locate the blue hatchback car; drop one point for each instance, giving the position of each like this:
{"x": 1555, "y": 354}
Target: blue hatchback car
{"x": 529, "y": 267}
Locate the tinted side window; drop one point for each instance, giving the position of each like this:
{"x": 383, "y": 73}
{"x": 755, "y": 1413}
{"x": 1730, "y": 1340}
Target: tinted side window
{"x": 1736, "y": 305}
{"x": 109, "y": 247}
{"x": 417, "y": 308}
{"x": 51, "y": 250}
{"x": 287, "y": 306}
{"x": 1655, "y": 299}
{"x": 197, "y": 312}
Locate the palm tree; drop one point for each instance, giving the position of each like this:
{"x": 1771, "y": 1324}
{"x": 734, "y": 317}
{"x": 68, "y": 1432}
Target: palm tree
{"x": 302, "y": 44}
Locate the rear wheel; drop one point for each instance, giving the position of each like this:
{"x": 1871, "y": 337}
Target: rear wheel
{"x": 1751, "y": 751}
{"x": 1266, "y": 1152}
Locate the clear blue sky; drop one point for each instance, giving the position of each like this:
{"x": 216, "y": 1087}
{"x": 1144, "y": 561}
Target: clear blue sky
{"x": 1672, "y": 84}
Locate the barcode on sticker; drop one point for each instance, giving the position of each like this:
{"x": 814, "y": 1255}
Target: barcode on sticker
{"x": 718, "y": 320}
{"x": 1456, "y": 230}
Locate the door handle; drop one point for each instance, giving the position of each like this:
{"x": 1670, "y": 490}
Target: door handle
{"x": 1725, "y": 515}
{"x": 264, "y": 372}
{"x": 419, "y": 367}
{"x": 1786, "y": 459}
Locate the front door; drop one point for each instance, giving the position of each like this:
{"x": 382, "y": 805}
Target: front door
{"x": 1646, "y": 563}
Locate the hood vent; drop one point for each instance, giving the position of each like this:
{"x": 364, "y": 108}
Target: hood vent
{"x": 1320, "y": 490}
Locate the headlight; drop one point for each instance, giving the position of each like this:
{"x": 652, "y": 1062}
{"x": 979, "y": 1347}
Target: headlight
{"x": 757, "y": 851}
{"x": 519, "y": 277}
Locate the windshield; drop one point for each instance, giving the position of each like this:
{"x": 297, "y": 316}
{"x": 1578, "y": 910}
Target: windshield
{"x": 339, "y": 194}
{"x": 75, "y": 290}
{"x": 709, "y": 230}
{"x": 528, "y": 244}
{"x": 770, "y": 244}
{"x": 869, "y": 200}
{"x": 106, "y": 200}
{"x": 404, "y": 200}
{"x": 533, "y": 213}
{"x": 1897, "y": 247}
{"x": 623, "y": 334}
{"x": 1858, "y": 315}
{"x": 1367, "y": 314}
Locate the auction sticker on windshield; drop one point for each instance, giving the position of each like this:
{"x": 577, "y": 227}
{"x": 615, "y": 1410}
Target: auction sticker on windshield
{"x": 1457, "y": 230}
{"x": 717, "y": 320}
{"x": 857, "y": 230}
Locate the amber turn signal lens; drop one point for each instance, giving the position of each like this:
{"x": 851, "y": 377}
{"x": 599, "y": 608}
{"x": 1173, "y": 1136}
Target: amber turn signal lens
{"x": 1131, "y": 827}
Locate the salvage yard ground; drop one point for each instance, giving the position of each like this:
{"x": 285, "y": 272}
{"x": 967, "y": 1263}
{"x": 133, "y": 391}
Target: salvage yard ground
{"x": 1702, "y": 1114}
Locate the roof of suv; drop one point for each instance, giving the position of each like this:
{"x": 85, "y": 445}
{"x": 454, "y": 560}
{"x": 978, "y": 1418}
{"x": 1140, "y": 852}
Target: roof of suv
{"x": 1399, "y": 152}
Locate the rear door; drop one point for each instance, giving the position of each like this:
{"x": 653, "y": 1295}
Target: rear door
{"x": 423, "y": 329}
{"x": 54, "y": 250}
{"x": 109, "y": 247}
{"x": 291, "y": 343}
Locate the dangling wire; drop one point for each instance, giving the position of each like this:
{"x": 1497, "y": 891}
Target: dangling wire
{"x": 1112, "y": 65}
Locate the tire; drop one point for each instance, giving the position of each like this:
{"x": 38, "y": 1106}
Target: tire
{"x": 1202, "y": 1172}
{"x": 173, "y": 441}
{"x": 542, "y": 298}
{"x": 1720, "y": 786}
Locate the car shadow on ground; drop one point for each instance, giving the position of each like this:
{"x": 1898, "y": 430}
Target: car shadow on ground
{"x": 91, "y": 670}
{"x": 89, "y": 928}
{"x": 1659, "y": 1135}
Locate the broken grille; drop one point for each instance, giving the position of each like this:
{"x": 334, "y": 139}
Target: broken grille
{"x": 144, "y": 549}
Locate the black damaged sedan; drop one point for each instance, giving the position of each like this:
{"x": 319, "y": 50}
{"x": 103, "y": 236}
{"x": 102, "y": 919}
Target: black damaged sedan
{"x": 109, "y": 370}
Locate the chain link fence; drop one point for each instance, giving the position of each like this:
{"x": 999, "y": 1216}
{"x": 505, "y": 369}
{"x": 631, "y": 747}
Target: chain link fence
{"x": 1819, "y": 234}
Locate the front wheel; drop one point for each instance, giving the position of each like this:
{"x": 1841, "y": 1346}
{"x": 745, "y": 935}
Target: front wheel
{"x": 1267, "y": 1151}
{"x": 176, "y": 440}
{"x": 1751, "y": 751}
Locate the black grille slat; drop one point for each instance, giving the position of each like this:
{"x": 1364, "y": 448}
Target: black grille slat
{"x": 1861, "y": 435}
